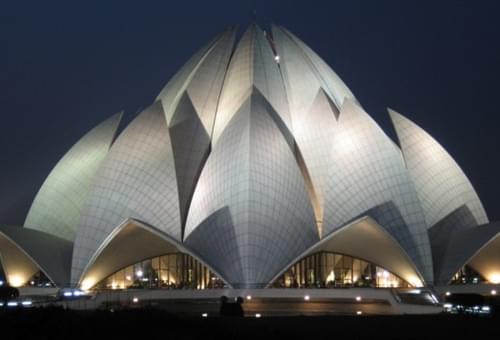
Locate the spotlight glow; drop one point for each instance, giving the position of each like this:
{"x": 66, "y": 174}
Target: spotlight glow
{"x": 16, "y": 280}
{"x": 358, "y": 298}
{"x": 494, "y": 278}
{"x": 307, "y": 297}
{"x": 87, "y": 283}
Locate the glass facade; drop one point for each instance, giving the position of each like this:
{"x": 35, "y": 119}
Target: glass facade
{"x": 170, "y": 271}
{"x": 330, "y": 270}
{"x": 467, "y": 275}
{"x": 39, "y": 279}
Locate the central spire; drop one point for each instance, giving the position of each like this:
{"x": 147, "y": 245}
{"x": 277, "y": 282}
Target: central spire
{"x": 252, "y": 66}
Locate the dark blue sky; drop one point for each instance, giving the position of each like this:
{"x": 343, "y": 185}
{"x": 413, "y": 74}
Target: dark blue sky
{"x": 67, "y": 65}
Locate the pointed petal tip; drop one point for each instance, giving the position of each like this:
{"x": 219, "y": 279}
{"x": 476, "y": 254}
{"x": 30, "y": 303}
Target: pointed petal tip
{"x": 392, "y": 112}
{"x": 119, "y": 114}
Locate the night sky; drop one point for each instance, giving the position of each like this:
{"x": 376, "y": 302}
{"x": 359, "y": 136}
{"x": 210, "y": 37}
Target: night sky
{"x": 66, "y": 66}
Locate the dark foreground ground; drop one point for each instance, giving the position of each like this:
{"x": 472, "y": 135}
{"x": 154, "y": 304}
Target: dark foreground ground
{"x": 57, "y": 323}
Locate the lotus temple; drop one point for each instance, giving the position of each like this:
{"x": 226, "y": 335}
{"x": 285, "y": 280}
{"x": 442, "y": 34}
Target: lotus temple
{"x": 255, "y": 169}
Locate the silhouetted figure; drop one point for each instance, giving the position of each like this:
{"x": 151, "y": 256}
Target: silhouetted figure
{"x": 7, "y": 292}
{"x": 231, "y": 308}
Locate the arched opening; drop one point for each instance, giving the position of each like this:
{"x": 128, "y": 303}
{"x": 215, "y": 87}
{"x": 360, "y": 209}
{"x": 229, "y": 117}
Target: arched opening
{"x": 20, "y": 269}
{"x": 483, "y": 266}
{"x": 136, "y": 248}
{"x": 362, "y": 240}
{"x": 486, "y": 261}
{"x": 467, "y": 275}
{"x": 39, "y": 280}
{"x": 470, "y": 256}
{"x": 168, "y": 271}
{"x": 34, "y": 258}
{"x": 332, "y": 270}
{"x": 17, "y": 265}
